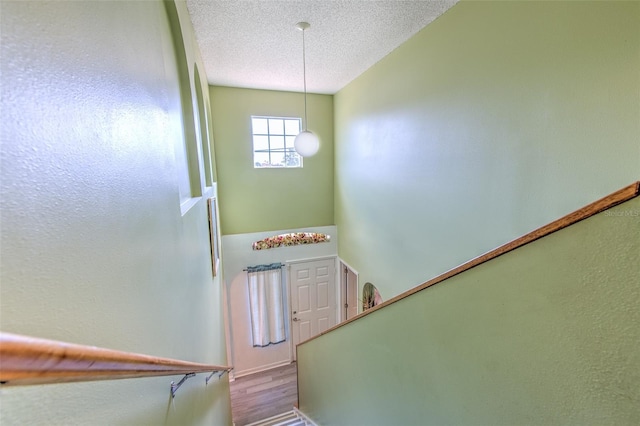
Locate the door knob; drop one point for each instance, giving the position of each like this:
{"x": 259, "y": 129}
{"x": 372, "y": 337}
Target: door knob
{"x": 296, "y": 319}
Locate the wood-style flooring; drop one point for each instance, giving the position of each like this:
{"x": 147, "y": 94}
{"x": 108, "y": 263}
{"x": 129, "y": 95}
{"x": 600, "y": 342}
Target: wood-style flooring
{"x": 264, "y": 394}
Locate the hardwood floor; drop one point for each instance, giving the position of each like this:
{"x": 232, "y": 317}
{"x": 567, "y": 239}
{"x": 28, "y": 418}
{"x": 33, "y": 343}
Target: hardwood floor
{"x": 264, "y": 394}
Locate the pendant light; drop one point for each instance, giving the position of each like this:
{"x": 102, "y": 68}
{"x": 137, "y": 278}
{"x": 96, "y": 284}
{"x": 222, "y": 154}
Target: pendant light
{"x": 306, "y": 143}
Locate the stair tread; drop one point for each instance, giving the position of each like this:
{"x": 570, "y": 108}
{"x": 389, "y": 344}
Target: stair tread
{"x": 290, "y": 418}
{"x": 295, "y": 421}
{"x": 284, "y": 419}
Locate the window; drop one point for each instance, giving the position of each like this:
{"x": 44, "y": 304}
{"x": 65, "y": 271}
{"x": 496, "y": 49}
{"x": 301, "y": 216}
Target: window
{"x": 273, "y": 141}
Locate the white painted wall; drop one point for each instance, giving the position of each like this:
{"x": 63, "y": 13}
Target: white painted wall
{"x": 238, "y": 254}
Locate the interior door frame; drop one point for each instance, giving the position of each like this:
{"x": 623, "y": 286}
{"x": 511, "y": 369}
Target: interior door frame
{"x": 343, "y": 283}
{"x": 289, "y": 316}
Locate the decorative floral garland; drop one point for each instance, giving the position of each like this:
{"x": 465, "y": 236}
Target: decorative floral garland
{"x": 292, "y": 239}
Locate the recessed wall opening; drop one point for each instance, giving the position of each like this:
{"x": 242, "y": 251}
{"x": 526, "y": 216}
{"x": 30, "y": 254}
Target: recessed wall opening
{"x": 205, "y": 144}
{"x": 370, "y": 296}
{"x": 187, "y": 158}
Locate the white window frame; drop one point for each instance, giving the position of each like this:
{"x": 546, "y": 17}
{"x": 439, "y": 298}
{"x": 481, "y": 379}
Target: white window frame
{"x": 287, "y": 150}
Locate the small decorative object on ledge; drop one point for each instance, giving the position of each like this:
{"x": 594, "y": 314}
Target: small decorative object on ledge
{"x": 292, "y": 239}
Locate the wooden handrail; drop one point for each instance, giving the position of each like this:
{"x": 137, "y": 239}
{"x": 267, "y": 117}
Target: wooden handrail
{"x": 30, "y": 361}
{"x": 612, "y": 200}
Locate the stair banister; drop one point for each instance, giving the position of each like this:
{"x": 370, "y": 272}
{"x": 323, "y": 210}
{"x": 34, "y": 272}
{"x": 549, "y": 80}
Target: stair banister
{"x": 28, "y": 360}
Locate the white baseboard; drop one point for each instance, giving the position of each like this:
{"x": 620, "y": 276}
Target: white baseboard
{"x": 260, "y": 369}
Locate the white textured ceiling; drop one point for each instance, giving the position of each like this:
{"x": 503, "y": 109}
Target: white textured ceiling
{"x": 254, "y": 43}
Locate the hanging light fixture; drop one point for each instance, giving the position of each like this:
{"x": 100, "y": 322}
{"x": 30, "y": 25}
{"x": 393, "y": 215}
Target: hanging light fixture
{"x": 306, "y": 143}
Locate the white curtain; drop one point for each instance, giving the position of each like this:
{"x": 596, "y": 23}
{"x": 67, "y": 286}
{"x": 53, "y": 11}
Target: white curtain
{"x": 266, "y": 306}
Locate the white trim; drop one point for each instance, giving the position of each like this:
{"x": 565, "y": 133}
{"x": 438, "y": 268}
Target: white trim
{"x": 288, "y": 322}
{"x": 208, "y": 191}
{"x": 188, "y": 204}
{"x": 261, "y": 368}
{"x": 310, "y": 259}
{"x": 348, "y": 266}
{"x": 342, "y": 301}
{"x": 304, "y": 416}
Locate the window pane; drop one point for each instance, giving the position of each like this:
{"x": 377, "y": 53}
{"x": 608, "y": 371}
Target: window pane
{"x": 277, "y": 159}
{"x": 292, "y": 159}
{"x": 259, "y": 125}
{"x": 276, "y": 126}
{"x": 277, "y": 142}
{"x": 290, "y": 140}
{"x": 273, "y": 141}
{"x": 260, "y": 143}
{"x": 292, "y": 127}
{"x": 260, "y": 159}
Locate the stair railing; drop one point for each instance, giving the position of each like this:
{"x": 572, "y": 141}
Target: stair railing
{"x": 32, "y": 361}
{"x": 611, "y": 200}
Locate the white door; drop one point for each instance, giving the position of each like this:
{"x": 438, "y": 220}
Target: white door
{"x": 313, "y": 298}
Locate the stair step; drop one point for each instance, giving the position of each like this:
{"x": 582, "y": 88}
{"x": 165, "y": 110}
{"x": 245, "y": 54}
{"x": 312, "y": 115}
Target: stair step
{"x": 290, "y": 418}
{"x": 291, "y": 422}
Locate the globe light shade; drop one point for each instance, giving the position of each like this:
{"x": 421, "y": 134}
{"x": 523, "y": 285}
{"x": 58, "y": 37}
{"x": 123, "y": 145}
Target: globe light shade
{"x": 306, "y": 143}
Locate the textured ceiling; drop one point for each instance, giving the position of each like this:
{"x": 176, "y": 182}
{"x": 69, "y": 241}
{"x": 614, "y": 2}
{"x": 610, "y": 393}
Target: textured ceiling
{"x": 255, "y": 44}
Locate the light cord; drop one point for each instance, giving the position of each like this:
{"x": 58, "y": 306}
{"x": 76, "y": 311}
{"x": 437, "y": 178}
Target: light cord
{"x": 304, "y": 78}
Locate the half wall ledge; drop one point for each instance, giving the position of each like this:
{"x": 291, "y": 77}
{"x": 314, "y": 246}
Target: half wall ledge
{"x": 620, "y": 196}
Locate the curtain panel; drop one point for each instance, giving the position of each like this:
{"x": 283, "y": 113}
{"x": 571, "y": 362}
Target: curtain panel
{"x": 266, "y": 305}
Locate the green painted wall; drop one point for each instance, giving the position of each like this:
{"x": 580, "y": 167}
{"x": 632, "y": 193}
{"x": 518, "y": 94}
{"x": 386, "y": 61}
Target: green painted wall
{"x": 495, "y": 119}
{"x": 544, "y": 335}
{"x": 94, "y": 247}
{"x": 255, "y": 200}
